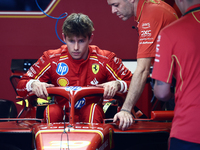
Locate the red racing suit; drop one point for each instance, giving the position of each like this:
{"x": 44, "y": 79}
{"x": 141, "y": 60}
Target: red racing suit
{"x": 58, "y": 67}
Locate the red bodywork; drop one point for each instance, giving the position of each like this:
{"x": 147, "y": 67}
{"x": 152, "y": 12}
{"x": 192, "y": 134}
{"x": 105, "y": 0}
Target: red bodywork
{"x": 76, "y": 135}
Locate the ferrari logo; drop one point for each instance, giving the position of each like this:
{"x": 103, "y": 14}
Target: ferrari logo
{"x": 95, "y": 68}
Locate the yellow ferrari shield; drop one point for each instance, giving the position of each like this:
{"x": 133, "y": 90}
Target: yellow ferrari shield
{"x": 95, "y": 68}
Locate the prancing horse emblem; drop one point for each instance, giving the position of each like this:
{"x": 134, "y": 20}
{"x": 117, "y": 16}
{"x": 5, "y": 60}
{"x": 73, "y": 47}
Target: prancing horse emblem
{"x": 95, "y": 68}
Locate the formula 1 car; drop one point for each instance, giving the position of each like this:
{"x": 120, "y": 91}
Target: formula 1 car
{"x": 30, "y": 132}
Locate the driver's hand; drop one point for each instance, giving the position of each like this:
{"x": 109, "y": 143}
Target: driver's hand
{"x": 125, "y": 118}
{"x": 39, "y": 89}
{"x": 110, "y": 88}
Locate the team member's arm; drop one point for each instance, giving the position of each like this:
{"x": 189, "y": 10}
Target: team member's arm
{"x": 162, "y": 90}
{"x": 136, "y": 87}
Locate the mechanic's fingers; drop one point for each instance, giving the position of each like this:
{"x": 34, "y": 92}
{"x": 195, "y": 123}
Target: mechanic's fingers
{"x": 125, "y": 126}
{"x": 127, "y": 123}
{"x": 121, "y": 124}
{"x": 131, "y": 121}
{"x": 115, "y": 118}
{"x": 126, "y": 120}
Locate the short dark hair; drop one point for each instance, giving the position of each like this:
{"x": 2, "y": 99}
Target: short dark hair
{"x": 78, "y": 24}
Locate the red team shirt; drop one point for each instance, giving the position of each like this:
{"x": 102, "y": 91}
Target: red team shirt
{"x": 178, "y": 55}
{"x": 61, "y": 69}
{"x": 152, "y": 16}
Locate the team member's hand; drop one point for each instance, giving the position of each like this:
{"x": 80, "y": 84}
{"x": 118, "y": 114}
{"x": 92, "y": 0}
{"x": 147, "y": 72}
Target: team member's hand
{"x": 125, "y": 118}
{"x": 110, "y": 88}
{"x": 39, "y": 88}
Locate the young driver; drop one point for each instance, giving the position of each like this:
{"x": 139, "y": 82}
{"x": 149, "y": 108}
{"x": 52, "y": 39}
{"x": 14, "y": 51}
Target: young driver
{"x": 76, "y": 64}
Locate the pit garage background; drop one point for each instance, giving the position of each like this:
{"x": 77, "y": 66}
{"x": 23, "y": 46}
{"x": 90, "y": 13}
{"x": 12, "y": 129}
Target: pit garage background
{"x": 25, "y": 32}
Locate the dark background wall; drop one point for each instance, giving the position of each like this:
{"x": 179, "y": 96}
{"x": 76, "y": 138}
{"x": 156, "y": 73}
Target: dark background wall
{"x": 27, "y": 36}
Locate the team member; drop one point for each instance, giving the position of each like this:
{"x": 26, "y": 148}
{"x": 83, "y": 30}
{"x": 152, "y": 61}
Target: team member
{"x": 178, "y": 55}
{"x": 151, "y": 16}
{"x": 76, "y": 64}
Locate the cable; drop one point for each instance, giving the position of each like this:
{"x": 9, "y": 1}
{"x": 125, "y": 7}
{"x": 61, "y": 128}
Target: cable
{"x": 56, "y": 27}
{"x": 64, "y": 15}
{"x": 47, "y": 14}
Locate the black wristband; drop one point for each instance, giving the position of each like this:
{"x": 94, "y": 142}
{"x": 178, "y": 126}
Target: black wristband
{"x": 125, "y": 110}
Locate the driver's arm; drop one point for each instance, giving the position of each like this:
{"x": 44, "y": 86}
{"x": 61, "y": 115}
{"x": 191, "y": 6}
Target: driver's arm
{"x": 38, "y": 88}
{"x": 118, "y": 77}
{"x": 111, "y": 88}
{"x": 137, "y": 85}
{"x": 39, "y": 72}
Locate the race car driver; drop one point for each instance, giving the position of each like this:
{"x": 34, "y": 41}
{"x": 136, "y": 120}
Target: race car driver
{"x": 76, "y": 64}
